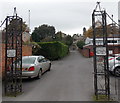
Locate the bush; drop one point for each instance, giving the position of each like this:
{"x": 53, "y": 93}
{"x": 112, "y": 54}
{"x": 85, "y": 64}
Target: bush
{"x": 51, "y": 50}
{"x": 80, "y": 44}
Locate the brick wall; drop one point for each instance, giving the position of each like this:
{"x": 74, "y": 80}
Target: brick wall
{"x": 115, "y": 49}
{"x": 85, "y": 52}
{"x": 87, "y": 49}
{"x": 26, "y": 51}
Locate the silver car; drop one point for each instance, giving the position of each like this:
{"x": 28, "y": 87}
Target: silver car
{"x": 34, "y": 66}
{"x": 114, "y": 65}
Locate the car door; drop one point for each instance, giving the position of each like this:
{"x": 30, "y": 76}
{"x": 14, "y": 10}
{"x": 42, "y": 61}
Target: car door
{"x": 45, "y": 64}
{"x": 42, "y": 64}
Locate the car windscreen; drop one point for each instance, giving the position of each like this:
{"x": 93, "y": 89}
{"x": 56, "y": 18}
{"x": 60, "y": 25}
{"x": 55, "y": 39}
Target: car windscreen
{"x": 29, "y": 60}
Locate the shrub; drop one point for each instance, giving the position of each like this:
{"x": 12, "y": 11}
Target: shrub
{"x": 80, "y": 44}
{"x": 51, "y": 50}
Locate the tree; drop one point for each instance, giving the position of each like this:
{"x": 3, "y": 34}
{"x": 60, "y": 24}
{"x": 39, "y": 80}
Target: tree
{"x": 58, "y": 36}
{"x": 68, "y": 40}
{"x": 42, "y": 32}
{"x": 111, "y": 29}
{"x": 80, "y": 44}
{"x": 13, "y": 24}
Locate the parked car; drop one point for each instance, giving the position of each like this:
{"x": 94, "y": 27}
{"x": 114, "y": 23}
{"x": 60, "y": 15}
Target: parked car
{"x": 33, "y": 66}
{"x": 114, "y": 65}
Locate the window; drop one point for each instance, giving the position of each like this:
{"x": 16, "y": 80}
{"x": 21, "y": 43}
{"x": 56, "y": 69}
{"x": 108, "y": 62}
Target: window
{"x": 41, "y": 60}
{"x": 112, "y": 41}
{"x": 118, "y": 41}
{"x": 29, "y": 60}
{"x": 118, "y": 58}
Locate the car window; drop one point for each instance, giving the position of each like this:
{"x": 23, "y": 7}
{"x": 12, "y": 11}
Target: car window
{"x": 118, "y": 58}
{"x": 44, "y": 60}
{"x": 41, "y": 60}
{"x": 29, "y": 60}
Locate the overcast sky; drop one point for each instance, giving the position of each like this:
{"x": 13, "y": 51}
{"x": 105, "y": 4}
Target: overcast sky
{"x": 68, "y": 16}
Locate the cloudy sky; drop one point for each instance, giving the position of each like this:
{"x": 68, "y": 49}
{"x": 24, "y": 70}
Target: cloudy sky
{"x": 68, "y": 16}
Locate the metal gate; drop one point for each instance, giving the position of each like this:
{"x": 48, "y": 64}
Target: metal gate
{"x": 102, "y": 80}
{"x": 13, "y": 55}
{"x": 101, "y": 73}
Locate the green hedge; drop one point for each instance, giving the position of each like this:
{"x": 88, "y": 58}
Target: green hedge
{"x": 51, "y": 50}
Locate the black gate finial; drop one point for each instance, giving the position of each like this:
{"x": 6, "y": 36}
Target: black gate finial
{"x": 98, "y": 6}
{"x": 15, "y": 12}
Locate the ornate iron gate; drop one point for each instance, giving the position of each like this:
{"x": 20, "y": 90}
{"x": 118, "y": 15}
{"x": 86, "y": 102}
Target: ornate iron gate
{"x": 101, "y": 69}
{"x": 13, "y": 55}
{"x": 103, "y": 48}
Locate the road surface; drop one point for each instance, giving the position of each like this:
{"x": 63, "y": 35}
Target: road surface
{"x": 70, "y": 79}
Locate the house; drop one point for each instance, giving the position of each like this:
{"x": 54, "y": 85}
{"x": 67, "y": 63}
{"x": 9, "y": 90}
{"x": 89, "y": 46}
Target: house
{"x": 77, "y": 37}
{"x": 113, "y": 44}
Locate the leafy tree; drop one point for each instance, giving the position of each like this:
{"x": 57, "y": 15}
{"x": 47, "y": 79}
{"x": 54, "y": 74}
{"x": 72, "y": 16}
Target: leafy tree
{"x": 47, "y": 39}
{"x": 111, "y": 29}
{"x": 62, "y": 37}
{"x": 80, "y": 44}
{"x": 68, "y": 40}
{"x": 13, "y": 24}
{"x": 58, "y": 36}
{"x": 42, "y": 32}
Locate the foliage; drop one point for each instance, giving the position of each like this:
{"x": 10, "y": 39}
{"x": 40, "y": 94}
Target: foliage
{"x": 80, "y": 44}
{"x": 42, "y": 32}
{"x": 47, "y": 39}
{"x": 13, "y": 24}
{"x": 59, "y": 36}
{"x": 111, "y": 29}
{"x": 89, "y": 32}
{"x": 102, "y": 98}
{"x": 52, "y": 50}
{"x": 68, "y": 40}
{"x": 62, "y": 37}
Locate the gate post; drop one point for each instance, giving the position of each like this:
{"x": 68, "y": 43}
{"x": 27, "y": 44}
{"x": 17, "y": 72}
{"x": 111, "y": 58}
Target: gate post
{"x": 13, "y": 56}
{"x": 101, "y": 69}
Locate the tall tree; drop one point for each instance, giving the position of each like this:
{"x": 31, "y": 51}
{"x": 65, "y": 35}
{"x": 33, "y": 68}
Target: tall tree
{"x": 42, "y": 32}
{"x": 111, "y": 29}
{"x": 68, "y": 40}
{"x": 13, "y": 24}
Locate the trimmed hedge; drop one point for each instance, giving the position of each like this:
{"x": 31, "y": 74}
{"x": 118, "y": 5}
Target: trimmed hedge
{"x": 51, "y": 50}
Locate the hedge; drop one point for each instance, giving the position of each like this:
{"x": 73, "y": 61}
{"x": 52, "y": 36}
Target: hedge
{"x": 51, "y": 50}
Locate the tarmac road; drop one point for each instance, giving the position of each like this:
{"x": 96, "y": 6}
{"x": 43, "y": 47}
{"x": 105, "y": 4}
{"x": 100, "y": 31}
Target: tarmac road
{"x": 70, "y": 79}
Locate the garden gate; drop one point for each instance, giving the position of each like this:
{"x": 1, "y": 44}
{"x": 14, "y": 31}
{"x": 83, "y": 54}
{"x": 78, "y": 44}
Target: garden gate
{"x": 13, "y": 55}
{"x": 101, "y": 52}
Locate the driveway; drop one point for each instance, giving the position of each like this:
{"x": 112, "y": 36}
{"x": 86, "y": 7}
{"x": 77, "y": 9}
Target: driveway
{"x": 70, "y": 79}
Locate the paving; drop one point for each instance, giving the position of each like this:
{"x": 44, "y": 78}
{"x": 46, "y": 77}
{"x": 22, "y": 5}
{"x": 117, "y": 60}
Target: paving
{"x": 70, "y": 79}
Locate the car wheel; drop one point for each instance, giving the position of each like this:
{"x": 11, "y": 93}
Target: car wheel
{"x": 117, "y": 71}
{"x": 49, "y": 67}
{"x": 39, "y": 74}
{"x": 29, "y": 77}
